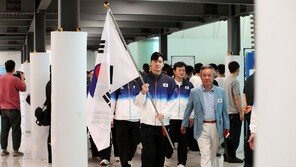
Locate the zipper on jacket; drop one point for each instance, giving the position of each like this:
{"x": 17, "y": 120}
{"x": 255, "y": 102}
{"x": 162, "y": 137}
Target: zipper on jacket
{"x": 155, "y": 87}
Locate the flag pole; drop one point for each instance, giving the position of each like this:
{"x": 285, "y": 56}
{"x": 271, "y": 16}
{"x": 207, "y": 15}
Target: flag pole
{"x": 140, "y": 75}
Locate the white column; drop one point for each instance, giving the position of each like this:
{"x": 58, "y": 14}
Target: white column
{"x": 69, "y": 140}
{"x": 25, "y": 107}
{"x": 276, "y": 93}
{"x": 39, "y": 67}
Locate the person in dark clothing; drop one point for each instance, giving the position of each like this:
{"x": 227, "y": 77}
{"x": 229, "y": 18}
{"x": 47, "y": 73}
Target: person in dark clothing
{"x": 48, "y": 105}
{"x": 105, "y": 154}
{"x": 248, "y": 100}
{"x": 93, "y": 147}
{"x": 146, "y": 69}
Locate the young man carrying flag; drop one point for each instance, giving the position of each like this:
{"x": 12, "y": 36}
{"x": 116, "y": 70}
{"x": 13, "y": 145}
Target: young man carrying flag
{"x": 161, "y": 90}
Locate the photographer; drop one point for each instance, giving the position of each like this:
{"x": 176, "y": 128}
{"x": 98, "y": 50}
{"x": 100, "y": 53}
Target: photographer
{"x": 10, "y": 108}
{"x": 19, "y": 74}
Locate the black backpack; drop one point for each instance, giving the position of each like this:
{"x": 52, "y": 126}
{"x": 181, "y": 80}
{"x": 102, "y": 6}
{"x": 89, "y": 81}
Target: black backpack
{"x": 43, "y": 116}
{"x": 28, "y": 99}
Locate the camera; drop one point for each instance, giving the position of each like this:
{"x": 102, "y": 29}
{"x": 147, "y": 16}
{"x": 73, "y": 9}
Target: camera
{"x": 18, "y": 74}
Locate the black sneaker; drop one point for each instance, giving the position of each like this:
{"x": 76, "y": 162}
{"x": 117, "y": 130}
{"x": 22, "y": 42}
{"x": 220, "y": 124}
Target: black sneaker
{"x": 4, "y": 153}
{"x": 17, "y": 154}
{"x": 225, "y": 158}
{"x": 235, "y": 160}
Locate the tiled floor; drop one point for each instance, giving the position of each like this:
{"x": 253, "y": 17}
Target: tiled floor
{"x": 26, "y": 161}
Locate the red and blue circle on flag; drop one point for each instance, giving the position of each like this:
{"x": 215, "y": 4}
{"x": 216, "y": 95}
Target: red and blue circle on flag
{"x": 93, "y": 84}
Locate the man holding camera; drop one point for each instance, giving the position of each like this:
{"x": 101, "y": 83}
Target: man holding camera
{"x": 10, "y": 86}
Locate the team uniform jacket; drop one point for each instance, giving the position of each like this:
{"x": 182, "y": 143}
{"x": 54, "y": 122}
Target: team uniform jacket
{"x": 180, "y": 102}
{"x": 162, "y": 91}
{"x": 125, "y": 108}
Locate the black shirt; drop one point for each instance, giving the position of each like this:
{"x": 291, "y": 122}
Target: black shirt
{"x": 48, "y": 95}
{"x": 215, "y": 83}
{"x": 249, "y": 89}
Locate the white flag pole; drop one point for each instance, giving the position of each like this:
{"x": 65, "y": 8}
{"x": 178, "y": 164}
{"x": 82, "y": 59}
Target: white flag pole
{"x": 141, "y": 78}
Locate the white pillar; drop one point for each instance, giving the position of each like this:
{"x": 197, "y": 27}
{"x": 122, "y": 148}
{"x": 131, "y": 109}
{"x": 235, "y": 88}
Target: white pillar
{"x": 39, "y": 67}
{"x": 25, "y": 107}
{"x": 69, "y": 141}
{"x": 276, "y": 93}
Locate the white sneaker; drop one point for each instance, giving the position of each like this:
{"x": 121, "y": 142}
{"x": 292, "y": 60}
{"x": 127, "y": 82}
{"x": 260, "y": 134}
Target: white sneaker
{"x": 180, "y": 165}
{"x": 167, "y": 162}
{"x": 117, "y": 159}
{"x": 104, "y": 162}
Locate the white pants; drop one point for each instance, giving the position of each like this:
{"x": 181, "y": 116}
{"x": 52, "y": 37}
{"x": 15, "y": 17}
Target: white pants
{"x": 208, "y": 143}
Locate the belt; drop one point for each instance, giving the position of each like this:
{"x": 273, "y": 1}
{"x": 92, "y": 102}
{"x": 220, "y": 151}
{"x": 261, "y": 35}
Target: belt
{"x": 210, "y": 122}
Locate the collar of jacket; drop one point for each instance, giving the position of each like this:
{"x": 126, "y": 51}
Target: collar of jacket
{"x": 155, "y": 76}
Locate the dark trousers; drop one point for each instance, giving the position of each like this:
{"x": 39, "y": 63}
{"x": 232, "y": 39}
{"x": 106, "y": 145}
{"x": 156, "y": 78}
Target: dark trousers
{"x": 127, "y": 137}
{"x": 93, "y": 147}
{"x": 192, "y": 143}
{"x": 11, "y": 119}
{"x": 49, "y": 146}
{"x": 233, "y": 140}
{"x": 153, "y": 142}
{"x": 177, "y": 136}
{"x": 114, "y": 142}
{"x": 248, "y": 150}
{"x": 105, "y": 153}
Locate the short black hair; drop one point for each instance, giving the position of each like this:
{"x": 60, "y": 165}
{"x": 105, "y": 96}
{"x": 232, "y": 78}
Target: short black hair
{"x": 167, "y": 69}
{"x": 9, "y": 65}
{"x": 221, "y": 69}
{"x": 146, "y": 67}
{"x": 189, "y": 69}
{"x": 156, "y": 55}
{"x": 233, "y": 66}
{"x": 197, "y": 67}
{"x": 214, "y": 66}
{"x": 179, "y": 64}
{"x": 166, "y": 66}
